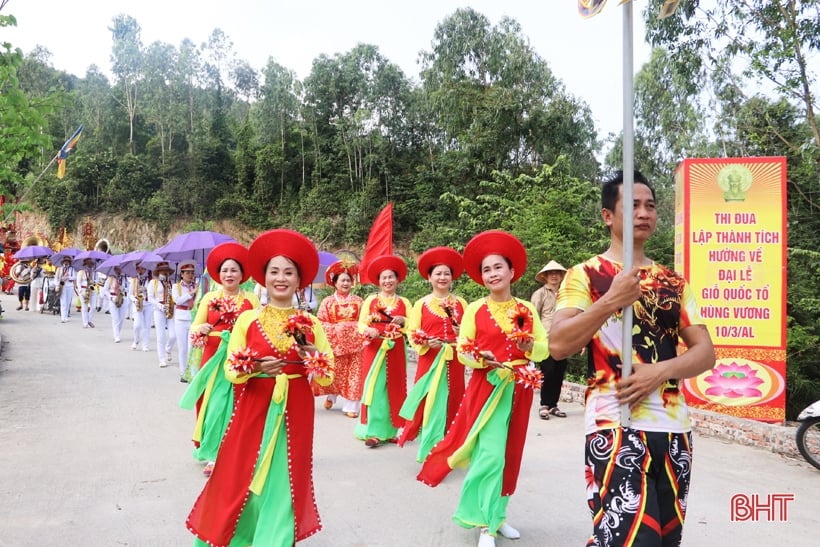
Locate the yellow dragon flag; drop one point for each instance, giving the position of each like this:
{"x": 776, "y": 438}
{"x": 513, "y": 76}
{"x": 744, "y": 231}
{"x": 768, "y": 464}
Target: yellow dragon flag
{"x": 66, "y": 149}
{"x": 590, "y": 8}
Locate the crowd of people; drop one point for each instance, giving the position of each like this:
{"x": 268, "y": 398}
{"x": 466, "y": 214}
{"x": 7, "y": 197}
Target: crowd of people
{"x": 262, "y": 358}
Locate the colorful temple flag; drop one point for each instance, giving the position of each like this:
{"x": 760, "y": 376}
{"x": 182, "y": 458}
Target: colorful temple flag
{"x": 591, "y": 8}
{"x": 668, "y": 8}
{"x": 379, "y": 242}
{"x": 67, "y": 148}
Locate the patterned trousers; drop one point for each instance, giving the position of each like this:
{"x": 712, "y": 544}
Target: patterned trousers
{"x": 637, "y": 484}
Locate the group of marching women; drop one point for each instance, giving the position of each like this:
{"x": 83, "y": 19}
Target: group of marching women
{"x": 262, "y": 366}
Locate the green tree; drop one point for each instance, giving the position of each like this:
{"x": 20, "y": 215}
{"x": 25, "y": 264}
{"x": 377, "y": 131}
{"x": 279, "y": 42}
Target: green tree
{"x": 497, "y": 104}
{"x": 245, "y": 82}
{"x": 777, "y": 38}
{"x": 160, "y": 96}
{"x": 276, "y": 116}
{"x": 23, "y": 125}
{"x": 188, "y": 75}
{"x": 668, "y": 119}
{"x": 218, "y": 56}
{"x": 92, "y": 173}
{"x": 555, "y": 215}
{"x": 134, "y": 182}
{"x": 127, "y": 59}
{"x": 99, "y": 111}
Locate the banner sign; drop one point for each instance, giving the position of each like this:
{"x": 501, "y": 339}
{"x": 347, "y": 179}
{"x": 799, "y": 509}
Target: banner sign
{"x": 730, "y": 244}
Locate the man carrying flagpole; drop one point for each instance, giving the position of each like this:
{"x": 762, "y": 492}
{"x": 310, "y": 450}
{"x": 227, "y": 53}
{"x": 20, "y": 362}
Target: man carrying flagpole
{"x": 637, "y": 419}
{"x": 637, "y": 471}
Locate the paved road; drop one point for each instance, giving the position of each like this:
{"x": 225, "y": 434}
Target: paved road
{"x": 94, "y": 451}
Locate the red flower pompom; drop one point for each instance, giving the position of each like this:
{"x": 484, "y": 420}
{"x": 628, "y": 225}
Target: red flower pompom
{"x": 528, "y": 376}
{"x": 317, "y": 364}
{"x": 392, "y": 331}
{"x": 469, "y": 349}
{"x": 243, "y": 360}
{"x": 382, "y": 312}
{"x": 298, "y": 325}
{"x": 198, "y": 339}
{"x": 216, "y": 305}
{"x": 521, "y": 319}
{"x": 226, "y": 308}
{"x": 419, "y": 337}
{"x": 518, "y": 335}
{"x": 449, "y": 307}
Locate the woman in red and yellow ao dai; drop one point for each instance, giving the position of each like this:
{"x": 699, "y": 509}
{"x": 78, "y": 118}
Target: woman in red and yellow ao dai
{"x": 499, "y": 338}
{"x": 261, "y": 490}
{"x": 339, "y": 314}
{"x": 384, "y": 358}
{"x": 432, "y": 328}
{"x": 211, "y": 394}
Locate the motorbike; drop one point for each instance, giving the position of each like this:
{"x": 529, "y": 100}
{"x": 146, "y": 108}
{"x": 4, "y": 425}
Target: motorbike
{"x": 808, "y": 434}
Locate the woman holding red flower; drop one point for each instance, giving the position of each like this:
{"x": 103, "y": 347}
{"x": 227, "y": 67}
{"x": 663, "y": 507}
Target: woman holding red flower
{"x": 209, "y": 391}
{"x": 384, "y": 357}
{"x": 498, "y": 338}
{"x": 261, "y": 489}
{"x": 339, "y": 314}
{"x": 433, "y": 326}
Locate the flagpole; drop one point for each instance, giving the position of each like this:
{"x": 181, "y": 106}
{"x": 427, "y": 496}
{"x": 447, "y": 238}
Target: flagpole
{"x": 629, "y": 179}
{"x": 25, "y": 194}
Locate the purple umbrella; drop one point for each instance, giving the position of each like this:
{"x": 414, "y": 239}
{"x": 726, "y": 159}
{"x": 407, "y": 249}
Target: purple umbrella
{"x": 96, "y": 256}
{"x": 130, "y": 261}
{"x": 107, "y": 266}
{"x": 33, "y": 251}
{"x": 325, "y": 260}
{"x": 192, "y": 246}
{"x": 69, "y": 252}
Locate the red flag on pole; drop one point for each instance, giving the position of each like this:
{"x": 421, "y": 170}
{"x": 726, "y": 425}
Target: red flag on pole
{"x": 380, "y": 240}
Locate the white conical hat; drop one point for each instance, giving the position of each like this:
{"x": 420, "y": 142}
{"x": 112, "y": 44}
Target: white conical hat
{"x": 552, "y": 266}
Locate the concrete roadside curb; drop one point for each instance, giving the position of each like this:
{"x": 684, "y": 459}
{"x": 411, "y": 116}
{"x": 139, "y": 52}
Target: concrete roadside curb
{"x": 777, "y": 438}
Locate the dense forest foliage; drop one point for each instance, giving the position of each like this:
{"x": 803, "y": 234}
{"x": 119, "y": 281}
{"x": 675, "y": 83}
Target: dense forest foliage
{"x": 485, "y": 137}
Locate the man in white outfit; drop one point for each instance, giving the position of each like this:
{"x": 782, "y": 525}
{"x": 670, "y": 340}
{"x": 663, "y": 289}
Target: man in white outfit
{"x": 160, "y": 297}
{"x": 114, "y": 290}
{"x": 103, "y": 301}
{"x": 184, "y": 294}
{"x": 38, "y": 277}
{"x": 87, "y": 290}
{"x": 66, "y": 276}
{"x": 142, "y": 309}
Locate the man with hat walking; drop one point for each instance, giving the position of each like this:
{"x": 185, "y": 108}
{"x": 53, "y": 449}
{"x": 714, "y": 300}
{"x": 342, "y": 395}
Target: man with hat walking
{"x": 66, "y": 275}
{"x": 544, "y": 300}
{"x": 159, "y": 296}
{"x": 114, "y": 290}
{"x": 143, "y": 310}
{"x": 87, "y": 290}
{"x": 183, "y": 295}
